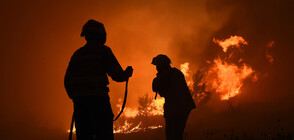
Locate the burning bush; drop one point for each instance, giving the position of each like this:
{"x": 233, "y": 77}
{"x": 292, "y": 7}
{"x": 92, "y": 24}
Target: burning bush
{"x": 223, "y": 76}
{"x": 149, "y": 116}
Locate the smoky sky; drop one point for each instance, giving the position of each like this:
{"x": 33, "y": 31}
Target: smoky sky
{"x": 39, "y": 37}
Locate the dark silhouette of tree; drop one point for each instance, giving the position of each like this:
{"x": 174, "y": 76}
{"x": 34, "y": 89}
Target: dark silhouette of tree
{"x": 145, "y": 105}
{"x": 198, "y": 92}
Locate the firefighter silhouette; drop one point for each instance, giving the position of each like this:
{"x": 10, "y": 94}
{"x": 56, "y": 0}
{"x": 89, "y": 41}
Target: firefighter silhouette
{"x": 86, "y": 84}
{"x": 170, "y": 83}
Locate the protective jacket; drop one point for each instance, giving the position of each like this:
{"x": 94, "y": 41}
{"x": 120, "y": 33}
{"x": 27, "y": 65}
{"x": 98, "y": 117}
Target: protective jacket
{"x": 171, "y": 85}
{"x": 87, "y": 71}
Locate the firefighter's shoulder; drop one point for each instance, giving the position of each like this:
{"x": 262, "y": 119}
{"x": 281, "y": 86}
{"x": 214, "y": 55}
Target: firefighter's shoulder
{"x": 177, "y": 71}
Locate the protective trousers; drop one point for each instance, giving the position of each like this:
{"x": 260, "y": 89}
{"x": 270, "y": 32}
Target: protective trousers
{"x": 93, "y": 118}
{"x": 175, "y": 126}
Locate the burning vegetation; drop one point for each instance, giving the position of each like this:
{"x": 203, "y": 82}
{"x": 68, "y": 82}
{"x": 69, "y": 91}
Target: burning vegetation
{"x": 148, "y": 115}
{"x": 221, "y": 76}
{"x": 233, "y": 41}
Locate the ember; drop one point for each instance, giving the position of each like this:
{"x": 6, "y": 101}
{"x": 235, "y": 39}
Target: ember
{"x": 268, "y": 55}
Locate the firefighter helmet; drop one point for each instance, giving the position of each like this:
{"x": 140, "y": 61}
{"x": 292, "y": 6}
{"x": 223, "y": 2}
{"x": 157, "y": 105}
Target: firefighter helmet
{"x": 93, "y": 27}
{"x": 161, "y": 59}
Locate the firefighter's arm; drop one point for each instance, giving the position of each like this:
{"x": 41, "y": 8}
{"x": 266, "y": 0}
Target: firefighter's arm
{"x": 115, "y": 70}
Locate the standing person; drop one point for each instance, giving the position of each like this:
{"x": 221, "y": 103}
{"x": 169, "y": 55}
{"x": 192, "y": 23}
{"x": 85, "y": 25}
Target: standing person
{"x": 86, "y": 84}
{"x": 170, "y": 83}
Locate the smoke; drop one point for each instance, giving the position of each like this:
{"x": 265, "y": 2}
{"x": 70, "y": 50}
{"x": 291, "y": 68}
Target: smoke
{"x": 270, "y": 98}
{"x": 39, "y": 37}
{"x": 259, "y": 23}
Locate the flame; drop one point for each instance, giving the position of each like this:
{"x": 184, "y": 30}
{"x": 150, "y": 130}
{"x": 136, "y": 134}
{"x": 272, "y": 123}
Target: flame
{"x": 158, "y": 104}
{"x": 127, "y": 128}
{"x": 230, "y": 42}
{"x": 128, "y": 122}
{"x": 186, "y": 71}
{"x": 222, "y": 75}
{"x": 128, "y": 112}
{"x": 229, "y": 78}
{"x": 155, "y": 108}
{"x": 152, "y": 109}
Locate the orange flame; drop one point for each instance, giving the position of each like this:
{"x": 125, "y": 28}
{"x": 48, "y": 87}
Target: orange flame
{"x": 223, "y": 77}
{"x": 229, "y": 78}
{"x": 158, "y": 107}
{"x": 230, "y": 42}
{"x": 155, "y": 108}
{"x": 186, "y": 71}
{"x": 128, "y": 112}
{"x": 126, "y": 128}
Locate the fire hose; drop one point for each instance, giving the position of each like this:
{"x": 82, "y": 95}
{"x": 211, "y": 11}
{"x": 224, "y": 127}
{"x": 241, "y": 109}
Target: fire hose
{"x": 121, "y": 111}
{"x": 125, "y": 100}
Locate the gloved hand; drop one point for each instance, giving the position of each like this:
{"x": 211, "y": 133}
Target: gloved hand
{"x": 129, "y": 71}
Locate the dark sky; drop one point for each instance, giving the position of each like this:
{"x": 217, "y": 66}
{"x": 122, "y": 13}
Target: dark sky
{"x": 38, "y": 38}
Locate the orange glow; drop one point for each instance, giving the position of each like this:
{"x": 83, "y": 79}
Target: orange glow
{"x": 158, "y": 107}
{"x": 229, "y": 78}
{"x": 186, "y": 71}
{"x": 127, "y": 128}
{"x": 128, "y": 112}
{"x": 222, "y": 76}
{"x": 230, "y": 42}
{"x": 39, "y": 38}
{"x": 155, "y": 108}
{"x": 128, "y": 122}
{"x": 130, "y": 115}
{"x": 73, "y": 129}
{"x": 268, "y": 56}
